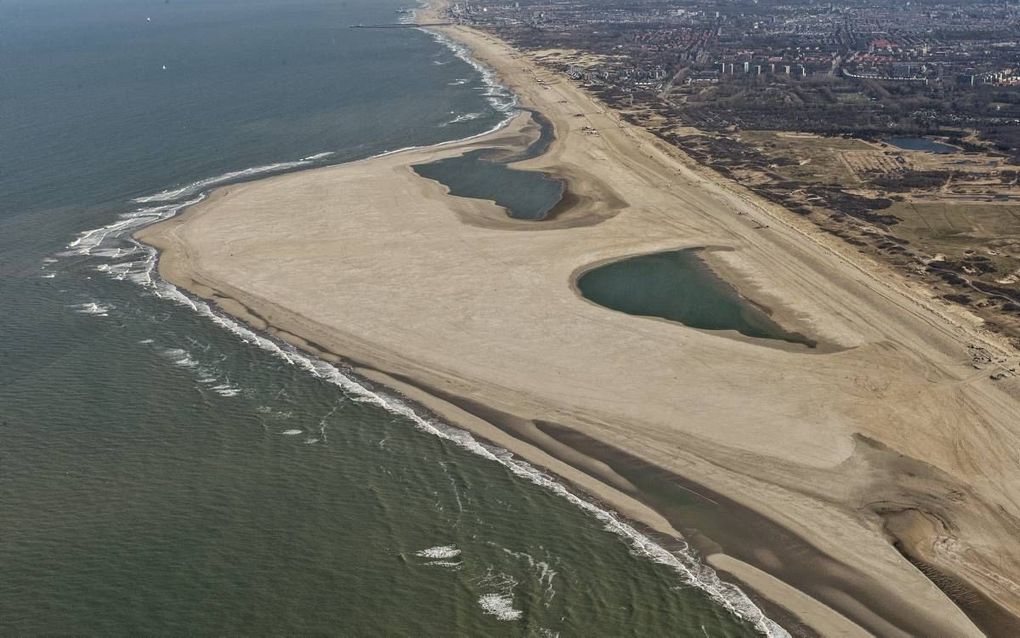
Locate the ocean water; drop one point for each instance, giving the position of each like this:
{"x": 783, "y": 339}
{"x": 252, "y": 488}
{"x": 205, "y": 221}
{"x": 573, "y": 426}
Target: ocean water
{"x": 165, "y": 471}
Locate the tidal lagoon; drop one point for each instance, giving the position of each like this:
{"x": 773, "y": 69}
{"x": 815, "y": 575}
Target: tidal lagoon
{"x": 487, "y": 174}
{"x": 679, "y": 286}
{"x": 164, "y": 470}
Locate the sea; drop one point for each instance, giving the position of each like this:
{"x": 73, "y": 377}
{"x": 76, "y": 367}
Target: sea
{"x": 166, "y": 471}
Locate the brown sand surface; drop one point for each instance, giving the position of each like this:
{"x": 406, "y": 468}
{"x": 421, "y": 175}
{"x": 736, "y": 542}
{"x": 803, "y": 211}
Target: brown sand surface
{"x": 822, "y": 460}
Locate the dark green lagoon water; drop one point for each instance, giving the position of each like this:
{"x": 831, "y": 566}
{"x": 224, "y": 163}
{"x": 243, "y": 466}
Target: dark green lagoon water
{"x": 679, "y": 286}
{"x": 527, "y": 195}
{"x": 166, "y": 471}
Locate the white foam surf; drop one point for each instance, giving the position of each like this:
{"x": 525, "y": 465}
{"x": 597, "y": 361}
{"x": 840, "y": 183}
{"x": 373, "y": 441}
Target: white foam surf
{"x": 180, "y": 358}
{"x": 205, "y": 374}
{"x": 140, "y": 269}
{"x": 501, "y": 606}
{"x": 318, "y": 156}
{"x": 464, "y": 117}
{"x": 499, "y": 97}
{"x": 446, "y": 564}
{"x": 499, "y": 601}
{"x": 93, "y": 308}
{"x": 226, "y": 390}
{"x": 439, "y": 552}
{"x": 683, "y": 563}
{"x": 112, "y": 242}
{"x": 543, "y": 571}
{"x": 174, "y": 194}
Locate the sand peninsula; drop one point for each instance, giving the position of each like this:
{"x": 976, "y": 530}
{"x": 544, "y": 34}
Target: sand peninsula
{"x": 870, "y": 487}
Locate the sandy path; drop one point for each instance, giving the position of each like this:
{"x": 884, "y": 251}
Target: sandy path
{"x": 456, "y": 306}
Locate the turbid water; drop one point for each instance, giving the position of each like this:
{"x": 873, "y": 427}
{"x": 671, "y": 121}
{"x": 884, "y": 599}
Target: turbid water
{"x": 485, "y": 174}
{"x": 165, "y": 471}
{"x": 922, "y": 144}
{"x": 526, "y": 195}
{"x": 677, "y": 285}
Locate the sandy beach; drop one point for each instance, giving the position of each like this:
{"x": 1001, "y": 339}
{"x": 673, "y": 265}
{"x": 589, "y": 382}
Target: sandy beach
{"x": 869, "y": 487}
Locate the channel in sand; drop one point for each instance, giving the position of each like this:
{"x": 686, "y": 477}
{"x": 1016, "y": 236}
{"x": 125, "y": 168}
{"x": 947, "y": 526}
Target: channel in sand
{"x": 435, "y": 298}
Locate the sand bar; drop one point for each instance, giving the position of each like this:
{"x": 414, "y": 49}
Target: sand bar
{"x": 891, "y": 435}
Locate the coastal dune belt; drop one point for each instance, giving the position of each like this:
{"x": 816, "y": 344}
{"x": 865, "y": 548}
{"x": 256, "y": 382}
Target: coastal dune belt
{"x": 866, "y": 486}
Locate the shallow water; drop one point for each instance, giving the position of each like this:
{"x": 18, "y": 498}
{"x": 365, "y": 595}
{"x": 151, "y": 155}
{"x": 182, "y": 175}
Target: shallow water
{"x": 483, "y": 174}
{"x": 922, "y": 144}
{"x": 526, "y": 195}
{"x": 677, "y": 285}
{"x": 165, "y": 471}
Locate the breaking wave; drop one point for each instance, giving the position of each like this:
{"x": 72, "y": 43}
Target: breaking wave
{"x": 690, "y": 570}
{"x": 498, "y": 96}
{"x": 465, "y": 117}
{"x": 446, "y": 556}
{"x": 543, "y": 571}
{"x": 206, "y": 375}
{"x": 93, "y": 308}
{"x": 499, "y": 603}
{"x": 683, "y": 563}
{"x": 175, "y": 194}
{"x": 439, "y": 552}
{"x": 124, "y": 258}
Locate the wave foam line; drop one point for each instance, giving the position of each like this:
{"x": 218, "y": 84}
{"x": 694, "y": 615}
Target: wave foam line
{"x": 499, "y": 96}
{"x": 445, "y": 552}
{"x": 542, "y": 569}
{"x": 499, "y": 603}
{"x": 93, "y": 308}
{"x": 94, "y": 242}
{"x": 142, "y": 273}
{"x": 171, "y": 195}
{"x": 684, "y": 564}
{"x": 465, "y": 117}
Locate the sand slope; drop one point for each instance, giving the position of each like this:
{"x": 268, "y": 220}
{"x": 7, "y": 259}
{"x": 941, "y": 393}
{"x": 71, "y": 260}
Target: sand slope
{"x": 892, "y": 434}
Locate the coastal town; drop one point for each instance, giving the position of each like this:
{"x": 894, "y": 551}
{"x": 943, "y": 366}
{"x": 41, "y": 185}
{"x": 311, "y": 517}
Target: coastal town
{"x": 894, "y": 126}
{"x": 666, "y": 44}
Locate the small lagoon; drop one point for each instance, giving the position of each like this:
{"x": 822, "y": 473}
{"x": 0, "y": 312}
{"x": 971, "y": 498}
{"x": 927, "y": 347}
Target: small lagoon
{"x": 679, "y": 286}
{"x": 922, "y": 144}
{"x": 482, "y": 174}
{"x": 528, "y": 195}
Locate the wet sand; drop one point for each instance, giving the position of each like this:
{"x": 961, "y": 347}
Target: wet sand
{"x": 825, "y": 469}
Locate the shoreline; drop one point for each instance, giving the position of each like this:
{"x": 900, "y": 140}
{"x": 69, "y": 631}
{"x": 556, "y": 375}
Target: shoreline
{"x": 496, "y": 432}
{"x": 580, "y": 486}
{"x": 575, "y": 475}
{"x": 813, "y": 609}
